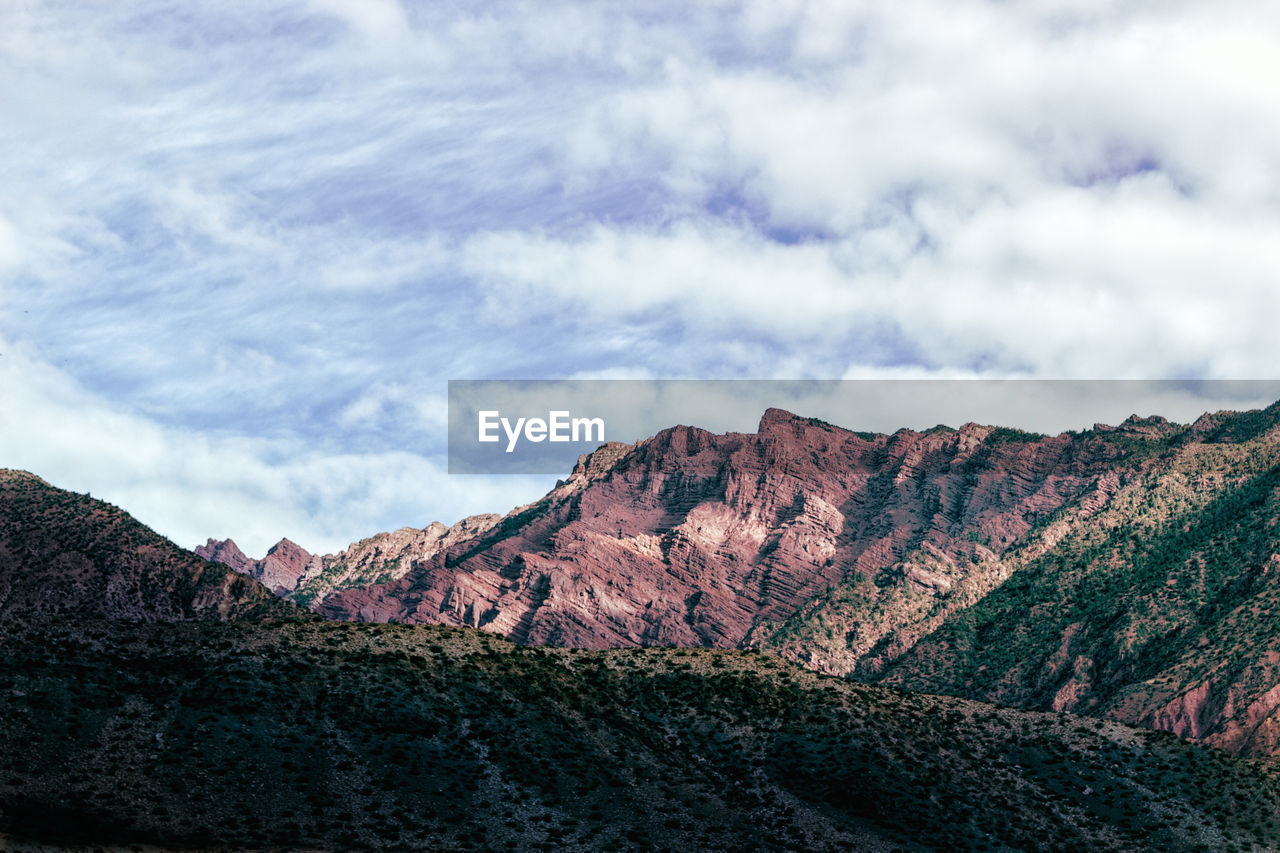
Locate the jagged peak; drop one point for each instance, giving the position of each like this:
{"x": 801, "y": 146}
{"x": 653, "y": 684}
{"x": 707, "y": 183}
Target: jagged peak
{"x": 602, "y": 459}
{"x": 288, "y": 546}
{"x": 227, "y": 544}
{"x": 224, "y": 551}
{"x": 774, "y": 417}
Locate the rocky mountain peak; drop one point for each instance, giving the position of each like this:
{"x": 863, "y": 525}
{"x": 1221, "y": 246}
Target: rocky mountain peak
{"x": 774, "y": 418}
{"x": 285, "y": 565}
{"x": 601, "y": 460}
{"x": 700, "y": 539}
{"x": 287, "y": 550}
{"x": 223, "y": 551}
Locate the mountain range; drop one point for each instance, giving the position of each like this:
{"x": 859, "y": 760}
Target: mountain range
{"x": 1128, "y": 571}
{"x": 801, "y": 638}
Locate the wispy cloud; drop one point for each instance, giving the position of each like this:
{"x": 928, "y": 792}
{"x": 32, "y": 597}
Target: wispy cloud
{"x": 292, "y": 222}
{"x": 189, "y": 485}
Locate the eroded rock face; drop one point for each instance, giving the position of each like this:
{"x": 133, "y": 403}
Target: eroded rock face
{"x": 226, "y": 552}
{"x": 885, "y": 558}
{"x": 285, "y": 564}
{"x": 691, "y": 538}
{"x": 291, "y": 571}
{"x": 1237, "y": 708}
{"x": 1156, "y": 609}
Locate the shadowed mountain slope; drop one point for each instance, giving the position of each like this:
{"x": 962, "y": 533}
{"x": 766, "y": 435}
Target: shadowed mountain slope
{"x": 1159, "y": 610}
{"x": 329, "y": 736}
{"x": 63, "y": 553}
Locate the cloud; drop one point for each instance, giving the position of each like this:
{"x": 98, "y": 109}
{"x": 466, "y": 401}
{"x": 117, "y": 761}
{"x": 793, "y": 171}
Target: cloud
{"x": 1047, "y": 192}
{"x": 10, "y": 250}
{"x": 983, "y": 99}
{"x": 293, "y": 222}
{"x": 189, "y": 485}
{"x": 382, "y": 21}
{"x": 1073, "y": 283}
{"x": 723, "y": 277}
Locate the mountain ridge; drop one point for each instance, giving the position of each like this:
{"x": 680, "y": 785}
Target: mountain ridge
{"x": 348, "y": 736}
{"x": 67, "y": 554}
{"x": 289, "y": 732}
{"x": 731, "y": 491}
{"x": 865, "y": 555}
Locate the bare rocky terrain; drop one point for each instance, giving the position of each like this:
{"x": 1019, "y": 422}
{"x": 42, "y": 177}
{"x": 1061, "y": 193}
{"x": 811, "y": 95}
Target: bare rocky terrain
{"x": 696, "y": 539}
{"x": 290, "y": 571}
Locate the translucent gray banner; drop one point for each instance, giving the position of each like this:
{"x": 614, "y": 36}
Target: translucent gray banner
{"x": 542, "y": 426}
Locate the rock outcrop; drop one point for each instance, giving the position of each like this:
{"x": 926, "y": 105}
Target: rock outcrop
{"x": 291, "y": 571}
{"x": 226, "y": 552}
{"x": 284, "y": 566}
{"x": 696, "y": 539}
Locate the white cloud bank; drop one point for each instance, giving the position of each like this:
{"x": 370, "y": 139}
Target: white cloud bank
{"x": 244, "y": 245}
{"x": 189, "y": 486}
{"x": 1044, "y": 190}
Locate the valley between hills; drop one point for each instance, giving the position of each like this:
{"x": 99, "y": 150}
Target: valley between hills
{"x": 969, "y": 638}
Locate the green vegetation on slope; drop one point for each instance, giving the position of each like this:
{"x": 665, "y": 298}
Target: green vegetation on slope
{"x": 63, "y": 552}
{"x": 356, "y": 736}
{"x": 1173, "y": 585}
{"x": 861, "y": 625}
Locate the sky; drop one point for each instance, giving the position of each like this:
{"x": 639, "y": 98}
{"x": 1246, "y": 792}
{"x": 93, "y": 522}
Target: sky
{"x": 244, "y": 245}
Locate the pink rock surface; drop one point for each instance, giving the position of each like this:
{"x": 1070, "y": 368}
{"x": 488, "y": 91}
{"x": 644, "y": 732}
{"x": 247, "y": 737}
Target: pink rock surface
{"x": 280, "y": 570}
{"x": 690, "y": 538}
